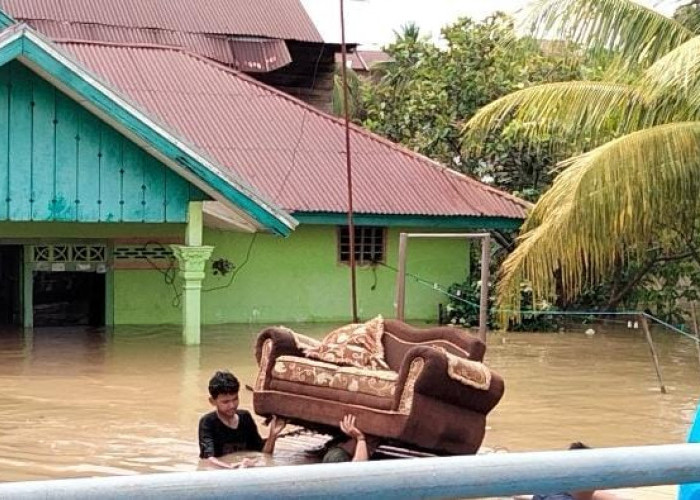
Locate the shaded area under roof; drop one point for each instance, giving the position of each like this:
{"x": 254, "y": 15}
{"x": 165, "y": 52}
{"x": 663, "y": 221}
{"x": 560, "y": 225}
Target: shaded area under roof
{"x": 289, "y": 151}
{"x": 284, "y": 19}
{"x": 364, "y": 60}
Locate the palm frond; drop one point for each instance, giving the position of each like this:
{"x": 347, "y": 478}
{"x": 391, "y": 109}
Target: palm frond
{"x": 676, "y": 75}
{"x": 638, "y": 33}
{"x": 605, "y": 202}
{"x": 576, "y": 113}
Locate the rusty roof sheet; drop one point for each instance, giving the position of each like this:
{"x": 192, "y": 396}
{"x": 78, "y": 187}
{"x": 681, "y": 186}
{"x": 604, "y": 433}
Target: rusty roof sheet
{"x": 288, "y": 150}
{"x": 249, "y": 54}
{"x": 285, "y": 19}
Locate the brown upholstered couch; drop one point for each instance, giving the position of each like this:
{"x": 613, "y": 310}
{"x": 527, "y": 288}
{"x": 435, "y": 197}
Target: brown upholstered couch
{"x": 430, "y": 399}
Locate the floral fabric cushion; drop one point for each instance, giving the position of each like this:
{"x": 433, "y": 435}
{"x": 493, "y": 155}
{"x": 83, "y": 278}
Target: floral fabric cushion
{"x": 380, "y": 383}
{"x": 358, "y": 345}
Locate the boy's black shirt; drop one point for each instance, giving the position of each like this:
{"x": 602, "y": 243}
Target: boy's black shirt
{"x": 217, "y": 439}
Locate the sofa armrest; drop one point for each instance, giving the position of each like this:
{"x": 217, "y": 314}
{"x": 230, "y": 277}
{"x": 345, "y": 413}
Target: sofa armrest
{"x": 285, "y": 342}
{"x": 434, "y": 381}
{"x": 272, "y": 343}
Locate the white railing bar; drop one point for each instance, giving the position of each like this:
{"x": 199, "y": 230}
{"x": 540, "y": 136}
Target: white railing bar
{"x": 499, "y": 474}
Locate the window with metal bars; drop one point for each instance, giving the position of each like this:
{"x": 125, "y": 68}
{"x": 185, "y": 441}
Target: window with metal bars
{"x": 370, "y": 245}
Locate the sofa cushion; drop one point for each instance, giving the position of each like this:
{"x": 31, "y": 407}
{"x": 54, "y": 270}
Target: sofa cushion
{"x": 381, "y": 383}
{"x": 358, "y": 345}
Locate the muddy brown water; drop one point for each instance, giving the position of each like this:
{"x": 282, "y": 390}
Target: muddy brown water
{"x": 77, "y": 402}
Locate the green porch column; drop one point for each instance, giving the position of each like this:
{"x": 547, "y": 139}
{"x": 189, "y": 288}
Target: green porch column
{"x": 192, "y": 258}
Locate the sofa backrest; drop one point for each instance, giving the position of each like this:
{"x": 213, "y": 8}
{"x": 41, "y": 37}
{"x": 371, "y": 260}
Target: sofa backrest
{"x": 399, "y": 337}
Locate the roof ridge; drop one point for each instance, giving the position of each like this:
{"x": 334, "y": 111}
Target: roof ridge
{"x": 136, "y": 45}
{"x": 360, "y": 130}
{"x": 232, "y": 36}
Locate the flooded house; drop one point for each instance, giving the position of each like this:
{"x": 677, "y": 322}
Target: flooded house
{"x": 170, "y": 161}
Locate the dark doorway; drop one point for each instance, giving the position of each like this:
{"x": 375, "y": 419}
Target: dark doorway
{"x": 69, "y": 298}
{"x": 10, "y": 284}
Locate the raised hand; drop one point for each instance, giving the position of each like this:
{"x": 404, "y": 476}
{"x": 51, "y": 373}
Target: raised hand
{"x": 347, "y": 425}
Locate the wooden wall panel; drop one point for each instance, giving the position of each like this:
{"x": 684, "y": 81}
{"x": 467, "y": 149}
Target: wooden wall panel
{"x": 20, "y": 144}
{"x": 64, "y": 166}
{"x": 43, "y": 151}
{"x": 4, "y": 143}
{"x": 58, "y": 162}
{"x": 153, "y": 180}
{"x": 89, "y": 175}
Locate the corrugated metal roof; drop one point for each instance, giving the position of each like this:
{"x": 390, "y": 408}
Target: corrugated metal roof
{"x": 252, "y": 55}
{"x": 285, "y": 19}
{"x": 289, "y": 151}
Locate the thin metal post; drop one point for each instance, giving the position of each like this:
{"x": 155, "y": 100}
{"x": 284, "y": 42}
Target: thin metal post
{"x": 645, "y": 326}
{"x": 401, "y": 278}
{"x": 348, "y": 161}
{"x": 485, "y": 275}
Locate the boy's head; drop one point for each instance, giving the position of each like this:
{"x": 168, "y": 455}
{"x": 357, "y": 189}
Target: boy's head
{"x": 223, "y": 393}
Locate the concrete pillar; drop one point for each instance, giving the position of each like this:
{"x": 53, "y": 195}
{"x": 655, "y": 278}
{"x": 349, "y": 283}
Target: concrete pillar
{"x": 192, "y": 261}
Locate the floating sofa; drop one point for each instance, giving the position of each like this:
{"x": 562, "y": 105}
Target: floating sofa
{"x": 430, "y": 393}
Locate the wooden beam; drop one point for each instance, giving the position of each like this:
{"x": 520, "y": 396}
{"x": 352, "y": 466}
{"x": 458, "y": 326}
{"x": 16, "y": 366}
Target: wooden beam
{"x": 485, "y": 275}
{"x": 400, "y": 299}
{"x": 650, "y": 342}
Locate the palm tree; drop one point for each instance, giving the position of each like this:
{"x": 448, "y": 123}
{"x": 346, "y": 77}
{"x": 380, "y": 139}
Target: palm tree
{"x": 638, "y": 184}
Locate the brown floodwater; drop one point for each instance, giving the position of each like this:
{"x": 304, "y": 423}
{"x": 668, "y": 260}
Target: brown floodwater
{"x": 77, "y": 402}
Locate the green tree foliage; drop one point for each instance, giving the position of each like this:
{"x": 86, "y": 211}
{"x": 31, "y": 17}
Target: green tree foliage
{"x": 689, "y": 16}
{"x": 425, "y": 95}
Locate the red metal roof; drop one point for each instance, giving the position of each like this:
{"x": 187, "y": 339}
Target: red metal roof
{"x": 249, "y": 54}
{"x": 289, "y": 151}
{"x": 285, "y": 19}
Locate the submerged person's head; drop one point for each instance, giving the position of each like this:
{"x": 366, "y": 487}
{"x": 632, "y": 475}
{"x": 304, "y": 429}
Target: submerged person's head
{"x": 578, "y": 445}
{"x": 223, "y": 393}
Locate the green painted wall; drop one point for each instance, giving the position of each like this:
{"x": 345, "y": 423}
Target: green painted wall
{"x": 295, "y": 279}
{"x": 58, "y": 162}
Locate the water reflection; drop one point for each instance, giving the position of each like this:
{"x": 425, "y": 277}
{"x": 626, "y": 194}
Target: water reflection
{"x": 81, "y": 402}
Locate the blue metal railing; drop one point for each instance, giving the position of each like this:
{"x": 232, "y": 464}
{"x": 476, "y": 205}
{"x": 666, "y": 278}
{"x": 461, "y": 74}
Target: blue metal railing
{"x": 499, "y": 474}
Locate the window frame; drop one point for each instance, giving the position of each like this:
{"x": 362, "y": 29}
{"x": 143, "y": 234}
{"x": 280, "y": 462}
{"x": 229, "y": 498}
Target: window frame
{"x": 360, "y": 253}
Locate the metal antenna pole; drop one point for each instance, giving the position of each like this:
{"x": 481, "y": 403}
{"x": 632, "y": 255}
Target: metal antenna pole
{"x": 351, "y": 225}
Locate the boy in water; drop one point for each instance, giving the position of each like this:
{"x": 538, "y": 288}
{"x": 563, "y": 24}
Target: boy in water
{"x": 228, "y": 429}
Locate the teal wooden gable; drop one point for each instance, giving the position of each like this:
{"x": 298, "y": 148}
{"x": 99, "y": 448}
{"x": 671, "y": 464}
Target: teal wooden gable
{"x": 38, "y": 162}
{"x": 58, "y": 162}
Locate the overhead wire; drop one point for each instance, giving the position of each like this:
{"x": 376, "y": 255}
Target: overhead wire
{"x": 543, "y": 312}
